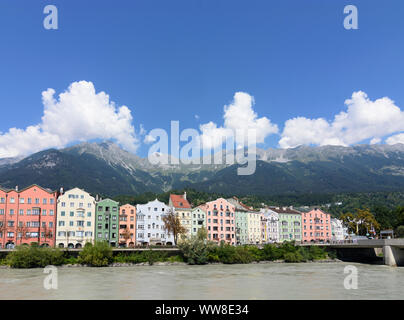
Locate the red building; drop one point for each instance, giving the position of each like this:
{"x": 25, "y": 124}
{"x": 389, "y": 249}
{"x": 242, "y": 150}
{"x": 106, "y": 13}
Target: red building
{"x": 27, "y": 216}
{"x": 316, "y": 226}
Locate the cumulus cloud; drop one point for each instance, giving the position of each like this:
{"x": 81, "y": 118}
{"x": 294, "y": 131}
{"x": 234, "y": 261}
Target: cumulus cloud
{"x": 238, "y": 116}
{"x": 398, "y": 138}
{"x": 78, "y": 114}
{"x": 363, "y": 120}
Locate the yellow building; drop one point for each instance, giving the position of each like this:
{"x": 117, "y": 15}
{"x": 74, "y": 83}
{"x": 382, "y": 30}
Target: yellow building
{"x": 182, "y": 209}
{"x": 254, "y": 227}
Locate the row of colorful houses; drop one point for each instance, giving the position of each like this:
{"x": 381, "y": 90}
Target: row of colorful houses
{"x": 72, "y": 218}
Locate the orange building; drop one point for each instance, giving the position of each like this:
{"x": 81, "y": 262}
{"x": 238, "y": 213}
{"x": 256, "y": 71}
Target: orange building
{"x": 27, "y": 216}
{"x": 127, "y": 226}
{"x": 316, "y": 226}
{"x": 220, "y": 221}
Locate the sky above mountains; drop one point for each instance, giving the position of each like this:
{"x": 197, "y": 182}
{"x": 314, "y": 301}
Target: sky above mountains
{"x": 116, "y": 70}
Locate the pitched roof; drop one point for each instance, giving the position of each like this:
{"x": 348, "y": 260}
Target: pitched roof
{"x": 284, "y": 210}
{"x": 179, "y": 202}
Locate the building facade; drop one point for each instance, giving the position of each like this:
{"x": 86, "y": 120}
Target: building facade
{"x": 290, "y": 223}
{"x": 241, "y": 221}
{"x": 316, "y": 226}
{"x": 127, "y": 226}
{"x": 150, "y": 225}
{"x": 75, "y": 219}
{"x": 198, "y": 219}
{"x": 338, "y": 232}
{"x": 182, "y": 209}
{"x": 271, "y": 225}
{"x": 221, "y": 221}
{"x": 27, "y": 216}
{"x": 107, "y": 221}
{"x": 254, "y": 227}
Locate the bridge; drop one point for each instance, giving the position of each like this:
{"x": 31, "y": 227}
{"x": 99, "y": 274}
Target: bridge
{"x": 365, "y": 250}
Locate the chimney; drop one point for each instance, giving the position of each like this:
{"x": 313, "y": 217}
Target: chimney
{"x": 185, "y": 195}
{"x": 16, "y": 188}
{"x": 96, "y": 198}
{"x": 61, "y": 190}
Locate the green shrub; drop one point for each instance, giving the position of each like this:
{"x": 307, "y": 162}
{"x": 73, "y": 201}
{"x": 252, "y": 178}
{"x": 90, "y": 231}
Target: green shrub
{"x": 400, "y": 232}
{"x": 97, "y": 255}
{"x": 293, "y": 257}
{"x": 195, "y": 250}
{"x": 34, "y": 257}
{"x": 271, "y": 252}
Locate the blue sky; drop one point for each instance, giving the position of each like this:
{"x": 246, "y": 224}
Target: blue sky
{"x": 172, "y": 60}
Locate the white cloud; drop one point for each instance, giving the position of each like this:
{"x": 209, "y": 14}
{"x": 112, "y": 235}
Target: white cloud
{"x": 239, "y": 115}
{"x": 364, "y": 119}
{"x": 79, "y": 114}
{"x": 149, "y": 139}
{"x": 398, "y": 138}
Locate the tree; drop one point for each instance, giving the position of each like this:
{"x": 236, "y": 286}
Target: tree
{"x": 126, "y": 235}
{"x": 172, "y": 224}
{"x": 202, "y": 234}
{"x": 361, "y": 223}
{"x": 21, "y": 229}
{"x": 400, "y": 232}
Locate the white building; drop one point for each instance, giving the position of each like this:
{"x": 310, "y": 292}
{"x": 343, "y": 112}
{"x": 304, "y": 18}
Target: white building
{"x": 338, "y": 231}
{"x": 150, "y": 224}
{"x": 75, "y": 222}
{"x": 272, "y": 225}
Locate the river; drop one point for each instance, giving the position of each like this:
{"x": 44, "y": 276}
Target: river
{"x": 253, "y": 281}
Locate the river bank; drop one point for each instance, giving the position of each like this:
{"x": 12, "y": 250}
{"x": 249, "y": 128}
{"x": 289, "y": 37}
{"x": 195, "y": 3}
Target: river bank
{"x": 177, "y": 263}
{"x": 193, "y": 253}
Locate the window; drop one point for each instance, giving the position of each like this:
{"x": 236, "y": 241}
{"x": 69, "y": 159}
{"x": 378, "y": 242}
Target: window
{"x": 63, "y": 204}
{"x": 51, "y": 201}
{"x": 11, "y": 212}
{"x": 36, "y": 200}
{"x": 51, "y": 212}
{"x": 44, "y": 212}
{"x": 71, "y": 204}
{"x": 72, "y": 213}
{"x": 61, "y": 223}
{"x": 62, "y": 213}
{"x": 88, "y": 223}
{"x": 21, "y": 212}
{"x": 21, "y": 200}
{"x": 80, "y": 223}
{"x": 12, "y": 200}
{"x": 44, "y": 201}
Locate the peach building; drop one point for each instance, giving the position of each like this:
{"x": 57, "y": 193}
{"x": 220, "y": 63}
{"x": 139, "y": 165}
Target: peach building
{"x": 27, "y": 216}
{"x": 127, "y": 226}
{"x": 316, "y": 226}
{"x": 220, "y": 221}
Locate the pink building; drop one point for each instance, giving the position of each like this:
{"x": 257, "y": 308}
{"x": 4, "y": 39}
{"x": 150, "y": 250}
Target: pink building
{"x": 220, "y": 221}
{"x": 27, "y": 216}
{"x": 316, "y": 226}
{"x": 127, "y": 226}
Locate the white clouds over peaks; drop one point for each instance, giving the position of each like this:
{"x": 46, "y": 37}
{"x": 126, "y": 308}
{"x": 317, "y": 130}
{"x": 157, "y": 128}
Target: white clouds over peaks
{"x": 398, "y": 138}
{"x": 79, "y": 114}
{"x": 239, "y": 115}
{"x": 364, "y": 119}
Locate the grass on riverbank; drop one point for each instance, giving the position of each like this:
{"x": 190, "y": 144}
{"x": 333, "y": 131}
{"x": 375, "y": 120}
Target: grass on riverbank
{"x": 193, "y": 251}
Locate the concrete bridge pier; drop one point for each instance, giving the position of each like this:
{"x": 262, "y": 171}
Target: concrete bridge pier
{"x": 393, "y": 256}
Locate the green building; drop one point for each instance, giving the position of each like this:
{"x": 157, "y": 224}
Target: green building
{"x": 198, "y": 219}
{"x": 241, "y": 221}
{"x": 107, "y": 221}
{"x": 290, "y": 223}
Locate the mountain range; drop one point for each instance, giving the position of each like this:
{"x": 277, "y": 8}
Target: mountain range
{"x": 107, "y": 169}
